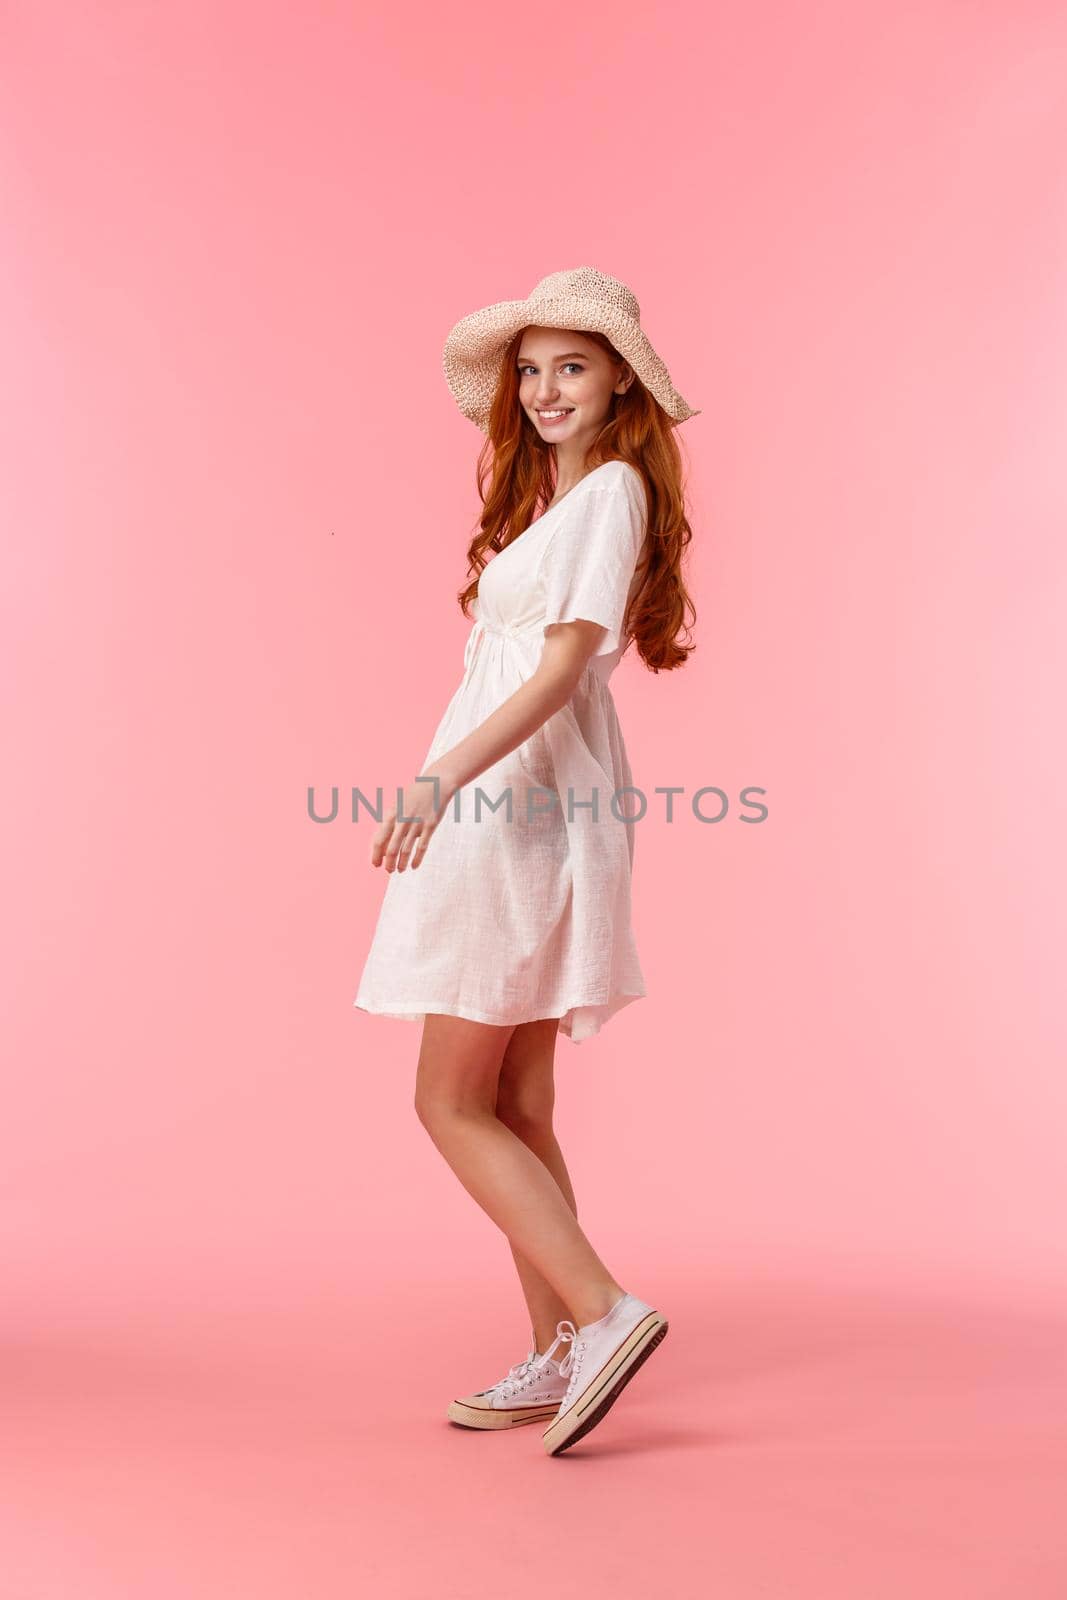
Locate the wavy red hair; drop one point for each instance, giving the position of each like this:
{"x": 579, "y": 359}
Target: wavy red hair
{"x": 516, "y": 481}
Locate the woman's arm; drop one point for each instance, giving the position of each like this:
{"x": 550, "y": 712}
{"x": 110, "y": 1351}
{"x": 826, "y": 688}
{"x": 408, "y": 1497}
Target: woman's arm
{"x": 567, "y": 650}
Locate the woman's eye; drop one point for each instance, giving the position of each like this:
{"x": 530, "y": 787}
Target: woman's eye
{"x": 572, "y": 364}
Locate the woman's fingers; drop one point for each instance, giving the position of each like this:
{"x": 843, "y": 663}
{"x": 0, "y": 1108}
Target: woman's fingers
{"x": 400, "y": 843}
{"x": 381, "y": 839}
{"x": 404, "y": 843}
{"x": 407, "y": 845}
{"x": 386, "y": 841}
{"x": 421, "y": 842}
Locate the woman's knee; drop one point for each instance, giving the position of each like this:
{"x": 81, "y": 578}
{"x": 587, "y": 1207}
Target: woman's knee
{"x": 437, "y": 1105}
{"x": 528, "y": 1115}
{"x": 425, "y": 1105}
{"x": 457, "y": 1071}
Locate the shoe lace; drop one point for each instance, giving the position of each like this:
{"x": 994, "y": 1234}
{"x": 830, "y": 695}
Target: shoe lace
{"x": 571, "y": 1365}
{"x": 520, "y": 1375}
{"x": 524, "y": 1372}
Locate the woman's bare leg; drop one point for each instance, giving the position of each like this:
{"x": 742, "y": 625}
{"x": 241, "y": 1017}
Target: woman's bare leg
{"x": 456, "y": 1091}
{"x": 524, "y": 1103}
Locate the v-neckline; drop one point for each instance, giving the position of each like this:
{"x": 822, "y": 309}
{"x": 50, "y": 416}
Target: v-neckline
{"x": 536, "y": 523}
{"x": 555, "y": 504}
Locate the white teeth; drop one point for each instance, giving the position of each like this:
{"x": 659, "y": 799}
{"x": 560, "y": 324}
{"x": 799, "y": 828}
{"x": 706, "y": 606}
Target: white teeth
{"x": 565, "y": 413}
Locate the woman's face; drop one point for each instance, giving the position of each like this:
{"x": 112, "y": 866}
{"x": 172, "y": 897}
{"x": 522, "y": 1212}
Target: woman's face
{"x": 566, "y": 382}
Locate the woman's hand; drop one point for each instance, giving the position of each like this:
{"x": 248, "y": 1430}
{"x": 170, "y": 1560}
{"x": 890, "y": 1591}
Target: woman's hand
{"x": 422, "y": 808}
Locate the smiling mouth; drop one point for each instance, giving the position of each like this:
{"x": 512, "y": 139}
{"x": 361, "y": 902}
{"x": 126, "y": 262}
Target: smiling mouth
{"x": 555, "y": 415}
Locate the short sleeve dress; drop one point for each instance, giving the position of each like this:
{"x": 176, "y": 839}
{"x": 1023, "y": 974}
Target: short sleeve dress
{"x": 520, "y": 908}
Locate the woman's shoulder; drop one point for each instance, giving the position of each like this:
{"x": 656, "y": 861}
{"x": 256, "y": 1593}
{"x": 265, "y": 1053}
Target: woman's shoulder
{"x": 617, "y": 477}
{"x": 615, "y": 472}
{"x": 624, "y": 479}
{"x": 603, "y": 519}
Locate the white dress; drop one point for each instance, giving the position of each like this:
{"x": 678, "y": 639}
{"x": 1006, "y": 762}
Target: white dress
{"x": 506, "y": 921}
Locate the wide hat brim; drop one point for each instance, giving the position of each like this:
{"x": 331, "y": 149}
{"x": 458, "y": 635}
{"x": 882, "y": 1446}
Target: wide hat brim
{"x": 475, "y": 345}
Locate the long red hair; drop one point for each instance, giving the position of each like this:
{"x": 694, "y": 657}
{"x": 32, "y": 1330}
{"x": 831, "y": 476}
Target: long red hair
{"x": 516, "y": 481}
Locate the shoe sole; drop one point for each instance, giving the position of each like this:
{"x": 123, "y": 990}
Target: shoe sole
{"x": 594, "y": 1405}
{"x": 481, "y": 1417}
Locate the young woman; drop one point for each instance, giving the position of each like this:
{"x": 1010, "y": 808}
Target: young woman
{"x": 506, "y": 917}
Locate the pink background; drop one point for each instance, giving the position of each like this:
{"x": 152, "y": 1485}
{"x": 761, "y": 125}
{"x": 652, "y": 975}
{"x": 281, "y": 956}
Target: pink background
{"x": 241, "y": 1284}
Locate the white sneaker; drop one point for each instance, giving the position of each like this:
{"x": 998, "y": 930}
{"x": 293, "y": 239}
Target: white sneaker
{"x": 602, "y": 1358}
{"x": 531, "y": 1392}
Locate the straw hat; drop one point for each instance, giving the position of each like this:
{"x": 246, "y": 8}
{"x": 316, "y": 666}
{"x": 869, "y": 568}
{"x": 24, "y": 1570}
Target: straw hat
{"x": 583, "y": 299}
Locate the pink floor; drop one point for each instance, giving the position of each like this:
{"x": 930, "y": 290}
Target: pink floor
{"x": 782, "y": 1442}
